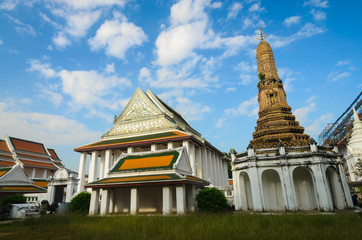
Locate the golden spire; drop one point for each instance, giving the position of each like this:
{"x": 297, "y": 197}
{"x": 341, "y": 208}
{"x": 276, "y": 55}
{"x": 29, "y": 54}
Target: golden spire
{"x": 262, "y": 35}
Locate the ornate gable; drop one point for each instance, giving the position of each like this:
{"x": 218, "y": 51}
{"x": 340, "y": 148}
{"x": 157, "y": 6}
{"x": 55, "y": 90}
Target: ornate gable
{"x": 140, "y": 106}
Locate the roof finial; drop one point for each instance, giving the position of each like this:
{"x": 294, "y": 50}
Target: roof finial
{"x": 262, "y": 35}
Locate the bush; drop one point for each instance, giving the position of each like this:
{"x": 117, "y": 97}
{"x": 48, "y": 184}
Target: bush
{"x": 13, "y": 199}
{"x": 80, "y": 203}
{"x": 211, "y": 200}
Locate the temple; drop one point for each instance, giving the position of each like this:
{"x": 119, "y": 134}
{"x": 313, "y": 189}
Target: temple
{"x": 151, "y": 160}
{"x": 283, "y": 168}
{"x": 25, "y": 167}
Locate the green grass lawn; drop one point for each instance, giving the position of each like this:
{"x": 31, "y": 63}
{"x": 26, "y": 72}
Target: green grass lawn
{"x": 195, "y": 226}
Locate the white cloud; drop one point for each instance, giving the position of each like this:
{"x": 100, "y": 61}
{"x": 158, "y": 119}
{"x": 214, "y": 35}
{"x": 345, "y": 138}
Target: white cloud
{"x": 308, "y": 30}
{"x": 220, "y": 122}
{"x": 22, "y": 27}
{"x": 216, "y": 5}
{"x": 288, "y": 76}
{"x": 9, "y": 4}
{"x": 301, "y": 114}
{"x": 61, "y": 41}
{"x": 88, "y": 4}
{"x": 109, "y": 68}
{"x": 230, "y": 89}
{"x": 117, "y": 37}
{"x": 317, "y": 126}
{"x": 234, "y": 10}
{"x": 248, "y": 72}
{"x": 55, "y": 130}
{"x": 317, "y": 3}
{"x": 248, "y": 107}
{"x": 256, "y": 8}
{"x": 253, "y": 21}
{"x": 44, "y": 68}
{"x": 318, "y": 15}
{"x": 292, "y": 20}
{"x": 87, "y": 88}
{"x": 79, "y": 23}
{"x": 342, "y": 70}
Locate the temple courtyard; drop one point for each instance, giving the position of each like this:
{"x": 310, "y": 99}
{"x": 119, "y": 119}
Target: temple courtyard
{"x": 237, "y": 225}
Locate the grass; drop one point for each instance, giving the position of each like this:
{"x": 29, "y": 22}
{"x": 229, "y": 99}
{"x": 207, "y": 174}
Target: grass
{"x": 188, "y": 227}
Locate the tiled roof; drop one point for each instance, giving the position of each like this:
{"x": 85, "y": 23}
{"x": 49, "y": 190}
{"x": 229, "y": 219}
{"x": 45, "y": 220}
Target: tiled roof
{"x": 53, "y": 154}
{"x": 38, "y": 164}
{"x": 6, "y": 163}
{"x": 3, "y": 171}
{"x": 22, "y": 189}
{"x": 3, "y": 146}
{"x": 32, "y": 156}
{"x": 25, "y": 145}
{"x": 162, "y": 178}
{"x": 164, "y": 160}
{"x": 136, "y": 139}
{"x": 40, "y": 183}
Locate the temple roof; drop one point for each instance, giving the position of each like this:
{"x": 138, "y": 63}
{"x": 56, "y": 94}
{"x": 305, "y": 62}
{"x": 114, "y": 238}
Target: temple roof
{"x": 146, "y": 179}
{"x": 29, "y": 146}
{"x": 142, "y": 139}
{"x": 22, "y": 189}
{"x": 146, "y": 113}
{"x": 6, "y": 158}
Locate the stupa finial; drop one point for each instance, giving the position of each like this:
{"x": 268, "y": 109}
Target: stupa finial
{"x": 262, "y": 35}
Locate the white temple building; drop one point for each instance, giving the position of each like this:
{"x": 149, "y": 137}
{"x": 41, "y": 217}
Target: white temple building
{"x": 283, "y": 168}
{"x": 151, "y": 160}
{"x": 354, "y": 150}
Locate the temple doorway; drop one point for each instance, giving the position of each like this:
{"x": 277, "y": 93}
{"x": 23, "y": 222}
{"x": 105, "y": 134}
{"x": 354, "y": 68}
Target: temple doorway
{"x": 272, "y": 190}
{"x": 245, "y": 192}
{"x": 304, "y": 189}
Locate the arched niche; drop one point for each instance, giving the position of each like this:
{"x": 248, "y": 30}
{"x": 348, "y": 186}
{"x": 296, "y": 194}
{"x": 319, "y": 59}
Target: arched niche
{"x": 272, "y": 190}
{"x": 304, "y": 189}
{"x": 245, "y": 191}
{"x": 335, "y": 188}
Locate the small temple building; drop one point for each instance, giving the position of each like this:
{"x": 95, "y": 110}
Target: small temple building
{"x": 283, "y": 168}
{"x": 25, "y": 167}
{"x": 353, "y": 155}
{"x": 151, "y": 160}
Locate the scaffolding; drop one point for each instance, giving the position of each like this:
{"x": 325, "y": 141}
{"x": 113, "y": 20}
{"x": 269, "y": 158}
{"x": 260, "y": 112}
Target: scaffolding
{"x": 336, "y": 133}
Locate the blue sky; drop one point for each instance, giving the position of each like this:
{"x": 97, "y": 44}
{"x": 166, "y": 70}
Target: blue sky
{"x": 67, "y": 67}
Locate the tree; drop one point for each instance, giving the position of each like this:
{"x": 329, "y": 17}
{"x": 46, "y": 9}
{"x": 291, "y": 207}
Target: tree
{"x": 80, "y": 203}
{"x": 211, "y": 200}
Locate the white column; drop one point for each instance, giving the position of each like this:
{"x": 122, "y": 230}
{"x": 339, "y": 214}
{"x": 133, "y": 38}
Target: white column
{"x": 105, "y": 201}
{"x": 205, "y": 164}
{"x": 101, "y": 165}
{"x": 94, "y": 203}
{"x": 218, "y": 169}
{"x": 166, "y": 200}
{"x": 210, "y": 166}
{"x": 70, "y": 188}
{"x": 130, "y": 150}
{"x": 170, "y": 145}
{"x": 226, "y": 173}
{"x": 324, "y": 200}
{"x": 81, "y": 171}
{"x": 45, "y": 173}
{"x": 190, "y": 195}
{"x": 287, "y": 186}
{"x": 93, "y": 167}
{"x": 347, "y": 193}
{"x": 50, "y": 194}
{"x": 216, "y": 179}
{"x": 199, "y": 162}
{"x": 107, "y": 162}
{"x": 153, "y": 147}
{"x": 256, "y": 188}
{"x": 111, "y": 200}
{"x": 33, "y": 173}
{"x": 180, "y": 199}
{"x": 134, "y": 201}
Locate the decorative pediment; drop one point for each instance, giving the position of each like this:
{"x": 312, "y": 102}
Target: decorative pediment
{"x": 15, "y": 175}
{"x": 140, "y": 106}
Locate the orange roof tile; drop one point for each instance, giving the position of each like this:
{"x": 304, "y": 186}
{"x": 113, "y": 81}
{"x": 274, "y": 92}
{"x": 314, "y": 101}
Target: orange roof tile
{"x": 4, "y": 146}
{"x": 25, "y": 145}
{"x": 43, "y": 184}
{"x": 33, "y": 156}
{"x": 53, "y": 154}
{"x": 4, "y": 170}
{"x": 6, "y": 163}
{"x": 38, "y": 164}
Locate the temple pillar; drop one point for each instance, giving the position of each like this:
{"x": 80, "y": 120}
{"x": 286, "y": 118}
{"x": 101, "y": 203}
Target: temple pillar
{"x": 191, "y": 198}
{"x": 45, "y": 173}
{"x": 199, "y": 162}
{"x": 107, "y": 163}
{"x": 70, "y": 189}
{"x": 205, "y": 164}
{"x": 288, "y": 188}
{"x": 130, "y": 149}
{"x": 181, "y": 199}
{"x": 33, "y": 172}
{"x": 191, "y": 153}
{"x": 93, "y": 167}
{"x": 101, "y": 165}
{"x": 211, "y": 167}
{"x": 324, "y": 201}
{"x": 256, "y": 188}
{"x": 94, "y": 202}
{"x": 170, "y": 145}
{"x": 166, "y": 200}
{"x": 50, "y": 193}
{"x": 81, "y": 171}
{"x": 111, "y": 200}
{"x": 153, "y": 147}
{"x": 134, "y": 201}
{"x": 345, "y": 187}
{"x": 105, "y": 201}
